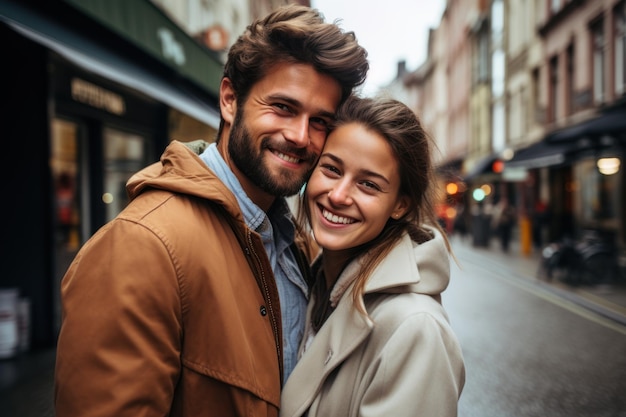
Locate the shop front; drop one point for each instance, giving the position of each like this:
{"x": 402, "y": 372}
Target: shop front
{"x": 80, "y": 115}
{"x": 577, "y": 176}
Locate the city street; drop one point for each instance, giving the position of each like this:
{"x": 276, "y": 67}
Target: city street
{"x": 529, "y": 352}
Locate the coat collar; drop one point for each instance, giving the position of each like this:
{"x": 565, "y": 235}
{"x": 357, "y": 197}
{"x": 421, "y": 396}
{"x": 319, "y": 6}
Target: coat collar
{"x": 409, "y": 267}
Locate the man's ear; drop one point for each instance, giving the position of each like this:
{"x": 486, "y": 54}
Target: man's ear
{"x": 228, "y": 101}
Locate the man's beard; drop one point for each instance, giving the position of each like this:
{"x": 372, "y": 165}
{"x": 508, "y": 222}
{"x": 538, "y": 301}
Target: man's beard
{"x": 250, "y": 162}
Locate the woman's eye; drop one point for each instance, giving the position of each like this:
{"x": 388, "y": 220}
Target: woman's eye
{"x": 372, "y": 186}
{"x": 329, "y": 169}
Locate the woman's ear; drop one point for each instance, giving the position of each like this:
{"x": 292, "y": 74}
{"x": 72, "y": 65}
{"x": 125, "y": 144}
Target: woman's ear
{"x": 228, "y": 101}
{"x": 402, "y": 206}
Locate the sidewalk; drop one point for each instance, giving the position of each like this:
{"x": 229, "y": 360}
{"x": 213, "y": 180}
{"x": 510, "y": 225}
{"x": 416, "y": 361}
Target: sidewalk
{"x": 27, "y": 384}
{"x": 606, "y": 300}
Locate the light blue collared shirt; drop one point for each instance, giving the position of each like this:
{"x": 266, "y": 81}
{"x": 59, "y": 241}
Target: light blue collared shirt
{"x": 277, "y": 232}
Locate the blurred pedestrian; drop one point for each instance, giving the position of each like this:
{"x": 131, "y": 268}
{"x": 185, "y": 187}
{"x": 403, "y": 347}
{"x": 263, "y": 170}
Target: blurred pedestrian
{"x": 192, "y": 300}
{"x": 460, "y": 223}
{"x": 377, "y": 341}
{"x": 65, "y": 192}
{"x": 540, "y": 219}
{"x": 503, "y": 221}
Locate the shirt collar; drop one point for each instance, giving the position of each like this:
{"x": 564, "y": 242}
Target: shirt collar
{"x": 279, "y": 213}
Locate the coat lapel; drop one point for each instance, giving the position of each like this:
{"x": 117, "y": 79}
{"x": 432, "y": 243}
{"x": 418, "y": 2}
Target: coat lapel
{"x": 345, "y": 330}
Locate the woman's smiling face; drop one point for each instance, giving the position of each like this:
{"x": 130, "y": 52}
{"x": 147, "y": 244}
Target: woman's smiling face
{"x": 354, "y": 189}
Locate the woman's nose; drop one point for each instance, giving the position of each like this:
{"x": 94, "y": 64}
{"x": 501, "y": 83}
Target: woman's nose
{"x": 340, "y": 194}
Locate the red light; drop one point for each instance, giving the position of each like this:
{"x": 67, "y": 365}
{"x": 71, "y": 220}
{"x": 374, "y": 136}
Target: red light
{"x": 497, "y": 166}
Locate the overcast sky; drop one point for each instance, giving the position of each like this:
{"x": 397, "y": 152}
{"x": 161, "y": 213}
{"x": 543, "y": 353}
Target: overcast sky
{"x": 390, "y": 30}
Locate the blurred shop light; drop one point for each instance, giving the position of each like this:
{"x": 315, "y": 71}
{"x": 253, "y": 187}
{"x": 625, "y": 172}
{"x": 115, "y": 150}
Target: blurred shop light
{"x": 478, "y": 194}
{"x": 608, "y": 166}
{"x": 486, "y": 189}
{"x": 508, "y": 154}
{"x": 497, "y": 166}
{"x": 452, "y": 188}
{"x": 450, "y": 212}
{"x": 107, "y": 198}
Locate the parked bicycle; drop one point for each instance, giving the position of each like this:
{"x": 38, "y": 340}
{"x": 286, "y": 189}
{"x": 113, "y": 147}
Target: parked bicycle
{"x": 591, "y": 260}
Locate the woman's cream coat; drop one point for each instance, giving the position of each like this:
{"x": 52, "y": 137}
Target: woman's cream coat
{"x": 404, "y": 360}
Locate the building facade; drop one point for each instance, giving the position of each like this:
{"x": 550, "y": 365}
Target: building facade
{"x": 535, "y": 110}
{"x": 575, "y": 165}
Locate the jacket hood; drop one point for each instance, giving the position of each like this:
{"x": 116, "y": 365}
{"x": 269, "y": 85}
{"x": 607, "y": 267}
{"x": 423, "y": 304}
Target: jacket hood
{"x": 409, "y": 267}
{"x": 181, "y": 170}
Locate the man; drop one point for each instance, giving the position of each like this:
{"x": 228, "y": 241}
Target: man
{"x": 173, "y": 307}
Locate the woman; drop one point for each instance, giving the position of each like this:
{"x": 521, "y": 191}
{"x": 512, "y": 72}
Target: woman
{"x": 378, "y": 341}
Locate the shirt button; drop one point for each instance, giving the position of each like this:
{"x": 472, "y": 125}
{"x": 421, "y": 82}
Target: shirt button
{"x": 263, "y": 311}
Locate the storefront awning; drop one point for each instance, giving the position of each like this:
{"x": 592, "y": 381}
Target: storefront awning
{"x": 541, "y": 154}
{"x": 106, "y": 63}
{"x": 610, "y": 123}
{"x": 559, "y": 147}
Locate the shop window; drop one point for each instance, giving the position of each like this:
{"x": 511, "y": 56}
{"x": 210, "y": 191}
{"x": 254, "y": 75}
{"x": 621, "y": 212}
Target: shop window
{"x": 124, "y": 155}
{"x": 64, "y": 169}
{"x": 497, "y": 21}
{"x": 537, "y": 114}
{"x": 67, "y": 218}
{"x": 599, "y": 198}
{"x": 599, "y": 60}
{"x": 571, "y": 68}
{"x": 554, "y": 89}
{"x": 483, "y": 57}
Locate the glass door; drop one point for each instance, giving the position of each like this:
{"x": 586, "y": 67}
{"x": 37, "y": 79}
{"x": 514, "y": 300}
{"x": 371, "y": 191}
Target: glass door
{"x": 67, "y": 215}
{"x": 124, "y": 155}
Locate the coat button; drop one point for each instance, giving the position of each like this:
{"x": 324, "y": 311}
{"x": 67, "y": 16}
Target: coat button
{"x": 263, "y": 311}
{"x": 329, "y": 356}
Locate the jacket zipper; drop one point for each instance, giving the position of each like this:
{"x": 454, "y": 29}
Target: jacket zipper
{"x": 268, "y": 299}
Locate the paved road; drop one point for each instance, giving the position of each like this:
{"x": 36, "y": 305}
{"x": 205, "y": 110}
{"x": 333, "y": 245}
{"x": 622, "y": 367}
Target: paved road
{"x": 528, "y": 352}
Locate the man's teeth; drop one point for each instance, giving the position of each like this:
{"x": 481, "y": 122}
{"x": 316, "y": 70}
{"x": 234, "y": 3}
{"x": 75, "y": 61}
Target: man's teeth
{"x": 287, "y": 157}
{"x": 336, "y": 219}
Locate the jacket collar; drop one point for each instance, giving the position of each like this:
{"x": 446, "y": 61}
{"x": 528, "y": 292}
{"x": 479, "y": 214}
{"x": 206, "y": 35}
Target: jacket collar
{"x": 181, "y": 170}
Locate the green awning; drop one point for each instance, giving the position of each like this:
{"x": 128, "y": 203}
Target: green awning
{"x": 105, "y": 62}
{"x": 145, "y": 25}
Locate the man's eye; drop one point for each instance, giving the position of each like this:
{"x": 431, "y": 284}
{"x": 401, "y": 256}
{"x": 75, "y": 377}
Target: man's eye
{"x": 319, "y": 124}
{"x": 283, "y": 107}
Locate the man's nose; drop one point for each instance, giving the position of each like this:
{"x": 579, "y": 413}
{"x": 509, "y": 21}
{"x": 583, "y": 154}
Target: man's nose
{"x": 298, "y": 132}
